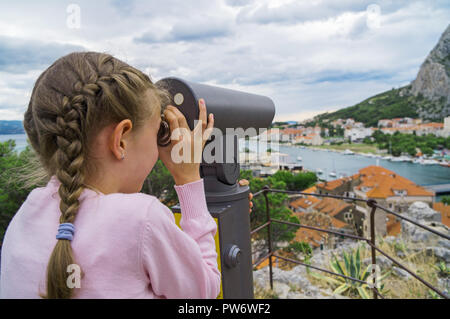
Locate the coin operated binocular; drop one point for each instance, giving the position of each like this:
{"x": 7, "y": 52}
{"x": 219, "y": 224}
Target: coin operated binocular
{"x": 227, "y": 201}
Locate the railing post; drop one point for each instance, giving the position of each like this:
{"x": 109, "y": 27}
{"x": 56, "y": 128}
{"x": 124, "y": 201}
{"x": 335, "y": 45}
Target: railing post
{"x": 371, "y": 203}
{"x": 269, "y": 238}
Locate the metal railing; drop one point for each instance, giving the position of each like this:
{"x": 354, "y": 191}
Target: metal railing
{"x": 370, "y": 241}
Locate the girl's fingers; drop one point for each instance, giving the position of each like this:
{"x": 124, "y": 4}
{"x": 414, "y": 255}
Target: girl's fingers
{"x": 180, "y": 117}
{"x": 209, "y": 128}
{"x": 172, "y": 119}
{"x": 243, "y": 182}
{"x": 202, "y": 113}
{"x": 206, "y": 122}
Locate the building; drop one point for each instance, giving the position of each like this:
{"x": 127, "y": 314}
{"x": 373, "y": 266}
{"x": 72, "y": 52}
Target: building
{"x": 336, "y": 208}
{"x": 304, "y": 203}
{"x": 358, "y": 134}
{"x": 317, "y": 238}
{"x": 408, "y": 125}
{"x": 384, "y": 123}
{"x": 311, "y": 139}
{"x": 291, "y": 133}
{"x": 389, "y": 189}
{"x": 447, "y": 126}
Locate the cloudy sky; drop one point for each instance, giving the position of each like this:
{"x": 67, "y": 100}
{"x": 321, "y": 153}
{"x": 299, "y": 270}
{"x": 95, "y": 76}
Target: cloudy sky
{"x": 308, "y": 56}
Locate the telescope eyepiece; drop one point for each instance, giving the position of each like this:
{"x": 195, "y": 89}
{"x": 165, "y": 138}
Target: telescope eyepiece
{"x": 163, "y": 136}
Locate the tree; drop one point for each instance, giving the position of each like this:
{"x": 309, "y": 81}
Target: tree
{"x": 446, "y": 200}
{"x": 296, "y": 182}
{"x": 160, "y": 183}
{"x": 277, "y": 208}
{"x": 12, "y": 190}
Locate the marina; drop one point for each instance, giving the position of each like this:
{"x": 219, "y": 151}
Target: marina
{"x": 326, "y": 162}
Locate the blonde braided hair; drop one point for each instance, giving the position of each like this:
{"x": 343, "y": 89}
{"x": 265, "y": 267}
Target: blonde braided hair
{"x": 78, "y": 95}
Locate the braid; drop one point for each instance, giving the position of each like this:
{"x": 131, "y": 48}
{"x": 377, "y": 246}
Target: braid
{"x": 70, "y": 163}
{"x": 70, "y": 158}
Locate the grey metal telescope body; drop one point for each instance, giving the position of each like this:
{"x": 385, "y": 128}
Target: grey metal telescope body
{"x": 227, "y": 201}
{"x": 231, "y": 108}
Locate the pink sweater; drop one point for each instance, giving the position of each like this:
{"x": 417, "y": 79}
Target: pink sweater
{"x": 127, "y": 245}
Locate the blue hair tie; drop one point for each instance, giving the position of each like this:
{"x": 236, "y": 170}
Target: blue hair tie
{"x": 65, "y": 231}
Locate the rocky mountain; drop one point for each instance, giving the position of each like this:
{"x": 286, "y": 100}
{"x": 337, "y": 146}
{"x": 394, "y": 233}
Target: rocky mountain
{"x": 433, "y": 79}
{"x": 427, "y": 97}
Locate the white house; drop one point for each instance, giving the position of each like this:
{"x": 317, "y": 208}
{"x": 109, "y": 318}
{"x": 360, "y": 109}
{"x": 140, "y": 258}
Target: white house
{"x": 356, "y": 134}
{"x": 446, "y": 131}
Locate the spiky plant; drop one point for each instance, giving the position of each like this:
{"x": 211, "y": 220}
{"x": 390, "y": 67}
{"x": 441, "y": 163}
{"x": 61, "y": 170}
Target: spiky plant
{"x": 350, "y": 266}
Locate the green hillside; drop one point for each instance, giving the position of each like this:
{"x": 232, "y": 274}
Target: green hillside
{"x": 387, "y": 105}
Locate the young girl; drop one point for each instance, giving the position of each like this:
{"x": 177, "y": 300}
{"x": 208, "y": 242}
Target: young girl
{"x": 93, "y": 121}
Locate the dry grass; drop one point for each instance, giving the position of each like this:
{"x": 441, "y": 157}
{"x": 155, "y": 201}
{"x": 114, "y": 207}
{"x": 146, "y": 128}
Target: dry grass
{"x": 264, "y": 293}
{"x": 396, "y": 287}
{"x": 419, "y": 263}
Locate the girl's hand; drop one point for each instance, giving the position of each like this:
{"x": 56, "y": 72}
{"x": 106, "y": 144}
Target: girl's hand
{"x": 244, "y": 182}
{"x": 185, "y": 170}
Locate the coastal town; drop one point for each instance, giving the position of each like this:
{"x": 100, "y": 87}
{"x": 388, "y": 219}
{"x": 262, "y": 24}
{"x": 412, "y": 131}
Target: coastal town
{"x": 355, "y": 133}
{"x": 351, "y": 214}
{"x": 296, "y": 133}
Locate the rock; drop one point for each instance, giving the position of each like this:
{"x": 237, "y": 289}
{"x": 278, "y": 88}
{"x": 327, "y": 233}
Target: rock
{"x": 281, "y": 290}
{"x": 423, "y": 214}
{"x": 390, "y": 239}
{"x": 261, "y": 277}
{"x": 440, "y": 253}
{"x": 401, "y": 273}
{"x": 401, "y": 254}
{"x": 296, "y": 277}
{"x": 420, "y": 211}
{"x": 382, "y": 261}
{"x": 318, "y": 259}
{"x": 433, "y": 78}
{"x": 295, "y": 295}
{"x": 444, "y": 243}
{"x": 443, "y": 284}
{"x": 311, "y": 291}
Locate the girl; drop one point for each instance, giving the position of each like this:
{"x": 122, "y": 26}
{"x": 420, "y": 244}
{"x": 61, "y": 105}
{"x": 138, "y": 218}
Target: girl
{"x": 93, "y": 121}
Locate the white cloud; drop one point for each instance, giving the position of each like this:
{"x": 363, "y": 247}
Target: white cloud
{"x": 308, "y": 56}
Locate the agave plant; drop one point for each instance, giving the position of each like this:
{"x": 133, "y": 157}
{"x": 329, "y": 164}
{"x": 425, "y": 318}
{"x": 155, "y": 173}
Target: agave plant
{"x": 443, "y": 269}
{"x": 351, "y": 266}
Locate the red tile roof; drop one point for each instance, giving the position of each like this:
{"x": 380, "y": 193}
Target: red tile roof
{"x": 304, "y": 202}
{"x": 381, "y": 183}
{"x": 331, "y": 206}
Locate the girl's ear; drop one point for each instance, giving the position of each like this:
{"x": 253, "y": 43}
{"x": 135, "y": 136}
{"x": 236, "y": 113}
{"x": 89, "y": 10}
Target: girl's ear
{"x": 120, "y": 137}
